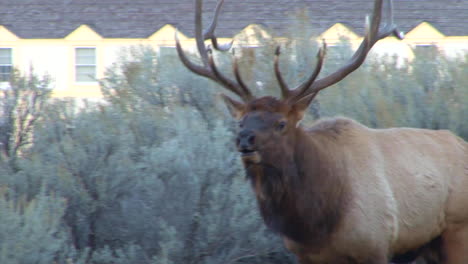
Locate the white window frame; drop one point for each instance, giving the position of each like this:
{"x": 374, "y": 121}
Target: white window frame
{"x": 77, "y": 65}
{"x": 426, "y": 45}
{"x": 9, "y": 64}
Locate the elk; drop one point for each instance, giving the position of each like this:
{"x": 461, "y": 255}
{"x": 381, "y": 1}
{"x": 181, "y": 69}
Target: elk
{"x": 339, "y": 192}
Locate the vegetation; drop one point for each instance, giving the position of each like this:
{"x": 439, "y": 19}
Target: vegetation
{"x": 152, "y": 176}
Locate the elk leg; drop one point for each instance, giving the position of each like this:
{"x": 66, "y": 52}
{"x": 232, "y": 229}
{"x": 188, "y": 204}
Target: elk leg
{"x": 455, "y": 246}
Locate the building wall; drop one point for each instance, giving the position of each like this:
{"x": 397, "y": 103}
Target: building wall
{"x": 56, "y": 57}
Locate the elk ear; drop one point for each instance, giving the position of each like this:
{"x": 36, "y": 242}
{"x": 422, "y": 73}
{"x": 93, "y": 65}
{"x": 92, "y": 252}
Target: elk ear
{"x": 236, "y": 108}
{"x": 301, "y": 106}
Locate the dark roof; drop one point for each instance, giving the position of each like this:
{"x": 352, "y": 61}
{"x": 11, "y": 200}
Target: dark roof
{"x": 141, "y": 18}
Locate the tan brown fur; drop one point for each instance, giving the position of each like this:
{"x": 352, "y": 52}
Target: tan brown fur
{"x": 339, "y": 192}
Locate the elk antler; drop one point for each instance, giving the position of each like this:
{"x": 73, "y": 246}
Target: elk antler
{"x": 208, "y": 68}
{"x": 311, "y": 86}
{"x": 297, "y": 93}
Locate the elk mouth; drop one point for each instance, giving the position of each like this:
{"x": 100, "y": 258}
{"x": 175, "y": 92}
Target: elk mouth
{"x": 251, "y": 156}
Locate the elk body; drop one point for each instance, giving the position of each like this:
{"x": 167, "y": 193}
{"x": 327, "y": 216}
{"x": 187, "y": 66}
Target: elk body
{"x": 340, "y": 192}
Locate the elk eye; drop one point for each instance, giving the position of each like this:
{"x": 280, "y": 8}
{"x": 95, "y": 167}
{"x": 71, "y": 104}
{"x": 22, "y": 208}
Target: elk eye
{"x": 281, "y": 125}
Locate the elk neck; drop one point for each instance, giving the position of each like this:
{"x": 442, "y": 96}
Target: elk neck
{"x": 300, "y": 188}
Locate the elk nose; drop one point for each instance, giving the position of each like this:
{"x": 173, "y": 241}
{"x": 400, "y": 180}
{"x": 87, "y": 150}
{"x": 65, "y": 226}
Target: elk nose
{"x": 246, "y": 141}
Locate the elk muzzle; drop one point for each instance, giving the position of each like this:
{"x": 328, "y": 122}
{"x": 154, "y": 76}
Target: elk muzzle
{"x": 246, "y": 145}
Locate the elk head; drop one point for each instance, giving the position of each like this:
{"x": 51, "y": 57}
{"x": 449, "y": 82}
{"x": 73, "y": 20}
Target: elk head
{"x": 267, "y": 125}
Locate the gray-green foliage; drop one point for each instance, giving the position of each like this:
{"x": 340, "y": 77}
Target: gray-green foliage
{"x": 152, "y": 176}
{"x": 21, "y": 106}
{"x": 32, "y": 231}
{"x": 429, "y": 92}
{"x": 209, "y": 212}
{"x": 145, "y": 181}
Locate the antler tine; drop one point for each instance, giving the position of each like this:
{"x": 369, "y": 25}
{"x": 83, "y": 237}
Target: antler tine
{"x": 372, "y": 36}
{"x": 285, "y": 92}
{"x": 208, "y": 68}
{"x": 244, "y": 92}
{"x": 202, "y": 50}
{"x": 235, "y": 67}
{"x": 302, "y": 88}
{"x": 198, "y": 32}
{"x": 391, "y": 27}
{"x": 209, "y": 33}
{"x": 189, "y": 64}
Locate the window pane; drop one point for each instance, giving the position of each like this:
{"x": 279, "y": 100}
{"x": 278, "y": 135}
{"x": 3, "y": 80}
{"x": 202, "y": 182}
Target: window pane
{"x": 85, "y": 60}
{"x": 85, "y": 56}
{"x": 5, "y": 69}
{"x": 426, "y": 48}
{"x": 85, "y": 73}
{"x": 85, "y": 51}
{"x": 5, "y": 60}
{"x": 5, "y": 56}
{"x": 5, "y": 72}
{"x": 5, "y": 52}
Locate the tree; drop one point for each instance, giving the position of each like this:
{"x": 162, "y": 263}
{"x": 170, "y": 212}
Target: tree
{"x": 21, "y": 106}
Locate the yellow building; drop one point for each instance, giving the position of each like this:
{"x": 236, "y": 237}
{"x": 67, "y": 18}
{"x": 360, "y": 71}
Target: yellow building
{"x": 74, "y": 42}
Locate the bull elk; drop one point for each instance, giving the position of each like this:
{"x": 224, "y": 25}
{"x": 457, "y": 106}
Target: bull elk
{"x": 340, "y": 192}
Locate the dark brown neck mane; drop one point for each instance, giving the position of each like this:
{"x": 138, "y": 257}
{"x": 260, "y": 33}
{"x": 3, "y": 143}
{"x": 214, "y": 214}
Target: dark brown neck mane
{"x": 301, "y": 194}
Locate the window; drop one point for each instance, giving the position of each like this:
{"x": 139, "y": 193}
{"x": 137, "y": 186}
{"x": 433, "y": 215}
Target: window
{"x": 167, "y": 51}
{"x": 426, "y": 49}
{"x": 428, "y": 52}
{"x": 6, "y": 64}
{"x": 85, "y": 64}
